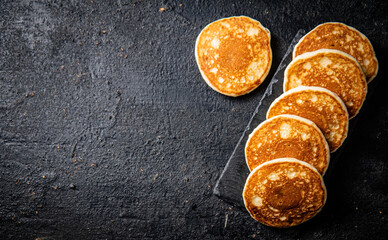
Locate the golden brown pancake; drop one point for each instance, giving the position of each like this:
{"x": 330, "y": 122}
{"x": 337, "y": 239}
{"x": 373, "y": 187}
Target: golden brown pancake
{"x": 319, "y": 105}
{"x": 234, "y": 55}
{"x": 334, "y": 35}
{"x": 331, "y": 69}
{"x": 287, "y": 136}
{"x": 284, "y": 192}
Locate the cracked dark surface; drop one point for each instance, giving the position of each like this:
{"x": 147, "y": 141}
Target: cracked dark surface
{"x": 107, "y": 130}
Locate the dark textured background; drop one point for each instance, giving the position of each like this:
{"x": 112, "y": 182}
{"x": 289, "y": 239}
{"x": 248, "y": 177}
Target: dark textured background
{"x": 107, "y": 130}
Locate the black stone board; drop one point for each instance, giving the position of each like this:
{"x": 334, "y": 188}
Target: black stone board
{"x": 231, "y": 183}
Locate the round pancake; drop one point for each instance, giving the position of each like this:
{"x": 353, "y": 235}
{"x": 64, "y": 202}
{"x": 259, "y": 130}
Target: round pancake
{"x": 331, "y": 69}
{"x": 339, "y": 36}
{"x": 284, "y": 192}
{"x": 319, "y": 105}
{"x": 287, "y": 136}
{"x": 234, "y": 55}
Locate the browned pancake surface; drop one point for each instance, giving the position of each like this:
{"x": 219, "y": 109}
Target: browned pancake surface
{"x": 287, "y": 136}
{"x": 339, "y": 36}
{"x": 234, "y": 55}
{"x": 333, "y": 70}
{"x": 284, "y": 193}
{"x": 319, "y": 105}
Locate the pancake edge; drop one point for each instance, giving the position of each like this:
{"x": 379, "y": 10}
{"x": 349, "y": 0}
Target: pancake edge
{"x": 320, "y": 89}
{"x": 204, "y": 75}
{"x": 302, "y": 119}
{"x": 326, "y": 50}
{"x": 281, "y": 160}
{"x": 374, "y": 52}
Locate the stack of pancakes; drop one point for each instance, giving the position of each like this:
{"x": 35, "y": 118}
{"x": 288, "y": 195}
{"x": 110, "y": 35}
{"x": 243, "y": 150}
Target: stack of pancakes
{"x": 324, "y": 86}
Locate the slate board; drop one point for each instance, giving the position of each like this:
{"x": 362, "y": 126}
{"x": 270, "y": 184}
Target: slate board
{"x": 231, "y": 183}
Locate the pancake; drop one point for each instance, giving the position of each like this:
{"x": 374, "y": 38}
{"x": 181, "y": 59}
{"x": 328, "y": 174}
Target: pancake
{"x": 331, "y": 69}
{"x": 284, "y": 192}
{"x": 287, "y": 136}
{"x": 319, "y": 105}
{"x": 234, "y": 55}
{"x": 339, "y": 36}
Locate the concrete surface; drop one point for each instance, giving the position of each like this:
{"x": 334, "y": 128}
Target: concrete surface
{"x": 107, "y": 130}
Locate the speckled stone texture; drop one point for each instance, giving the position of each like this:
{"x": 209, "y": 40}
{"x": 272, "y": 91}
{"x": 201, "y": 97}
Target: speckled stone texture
{"x": 107, "y": 130}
